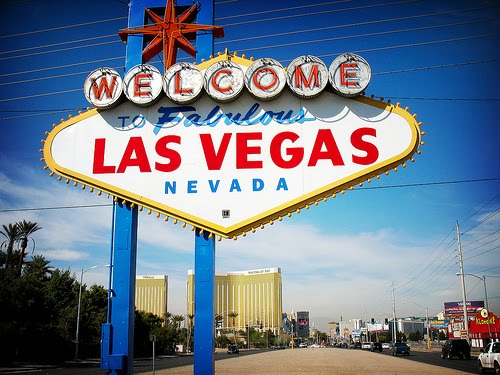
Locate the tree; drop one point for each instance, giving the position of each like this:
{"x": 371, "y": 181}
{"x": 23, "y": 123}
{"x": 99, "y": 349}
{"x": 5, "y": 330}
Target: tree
{"x": 11, "y": 234}
{"x": 233, "y": 315}
{"x": 26, "y": 229}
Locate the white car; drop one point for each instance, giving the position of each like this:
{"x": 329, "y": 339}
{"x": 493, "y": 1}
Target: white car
{"x": 366, "y": 345}
{"x": 302, "y": 345}
{"x": 386, "y": 345}
{"x": 489, "y": 358}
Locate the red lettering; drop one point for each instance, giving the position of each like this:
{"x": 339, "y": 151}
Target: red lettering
{"x": 215, "y": 84}
{"x": 165, "y": 152}
{"x": 142, "y": 81}
{"x": 103, "y": 86}
{"x": 135, "y": 147}
{"x": 358, "y": 142}
{"x": 243, "y": 150}
{"x": 98, "y": 166}
{"x": 296, "y": 153}
{"x": 177, "y": 86}
{"x": 214, "y": 158}
{"x": 300, "y": 78}
{"x": 349, "y": 75}
{"x": 325, "y": 138}
{"x": 257, "y": 83}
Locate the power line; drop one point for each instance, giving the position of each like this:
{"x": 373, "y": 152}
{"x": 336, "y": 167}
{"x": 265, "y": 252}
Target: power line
{"x": 281, "y": 9}
{"x": 393, "y": 186}
{"x": 61, "y": 27}
{"x": 436, "y": 67}
{"x": 369, "y": 34}
{"x": 61, "y": 66}
{"x": 320, "y": 12}
{"x": 58, "y": 44}
{"x": 429, "y": 183}
{"x": 60, "y": 50}
{"x": 352, "y": 25}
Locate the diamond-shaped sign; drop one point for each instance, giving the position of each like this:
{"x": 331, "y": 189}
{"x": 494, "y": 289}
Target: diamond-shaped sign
{"x": 232, "y": 167}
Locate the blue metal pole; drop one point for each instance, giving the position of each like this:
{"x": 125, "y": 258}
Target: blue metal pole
{"x": 204, "y": 258}
{"x": 204, "y": 286}
{"x": 123, "y": 301}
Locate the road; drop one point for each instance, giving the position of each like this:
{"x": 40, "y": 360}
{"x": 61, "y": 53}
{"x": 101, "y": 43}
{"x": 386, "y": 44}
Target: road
{"x": 298, "y": 361}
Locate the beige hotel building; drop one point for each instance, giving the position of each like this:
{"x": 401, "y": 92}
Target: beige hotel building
{"x": 151, "y": 294}
{"x": 255, "y": 295}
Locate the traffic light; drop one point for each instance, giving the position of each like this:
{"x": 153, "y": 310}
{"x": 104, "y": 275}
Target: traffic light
{"x": 386, "y": 321}
{"x": 373, "y": 321}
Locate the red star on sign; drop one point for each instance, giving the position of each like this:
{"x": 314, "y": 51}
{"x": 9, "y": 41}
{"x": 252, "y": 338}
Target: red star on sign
{"x": 170, "y": 33}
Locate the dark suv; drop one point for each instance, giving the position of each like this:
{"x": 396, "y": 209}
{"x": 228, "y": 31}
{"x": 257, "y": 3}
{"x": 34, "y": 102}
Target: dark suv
{"x": 456, "y": 348}
{"x": 233, "y": 349}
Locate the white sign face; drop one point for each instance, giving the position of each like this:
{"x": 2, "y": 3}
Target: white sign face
{"x": 349, "y": 74}
{"x": 231, "y": 167}
{"x": 103, "y": 88}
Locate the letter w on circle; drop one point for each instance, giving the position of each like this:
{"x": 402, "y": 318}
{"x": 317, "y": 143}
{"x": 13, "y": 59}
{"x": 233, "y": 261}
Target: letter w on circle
{"x": 103, "y": 86}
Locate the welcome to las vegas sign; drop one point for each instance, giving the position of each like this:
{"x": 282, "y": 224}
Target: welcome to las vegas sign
{"x": 231, "y": 144}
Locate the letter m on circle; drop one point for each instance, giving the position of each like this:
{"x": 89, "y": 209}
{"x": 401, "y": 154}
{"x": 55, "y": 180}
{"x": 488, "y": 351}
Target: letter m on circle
{"x": 301, "y": 80}
{"x": 103, "y": 86}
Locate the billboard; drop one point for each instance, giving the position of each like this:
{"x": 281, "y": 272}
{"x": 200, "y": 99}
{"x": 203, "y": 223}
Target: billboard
{"x": 456, "y": 308}
{"x": 231, "y": 145}
{"x": 303, "y": 323}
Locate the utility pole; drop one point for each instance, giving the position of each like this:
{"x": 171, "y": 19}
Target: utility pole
{"x": 394, "y": 332}
{"x": 462, "y": 278}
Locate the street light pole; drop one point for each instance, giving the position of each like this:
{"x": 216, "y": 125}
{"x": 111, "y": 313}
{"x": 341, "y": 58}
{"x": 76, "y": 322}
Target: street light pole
{"x": 483, "y": 279}
{"x": 79, "y": 306}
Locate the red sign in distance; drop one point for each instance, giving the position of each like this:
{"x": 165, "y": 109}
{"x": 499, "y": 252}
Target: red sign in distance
{"x": 231, "y": 160}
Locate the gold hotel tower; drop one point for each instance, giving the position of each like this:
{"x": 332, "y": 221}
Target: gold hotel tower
{"x": 255, "y": 295}
{"x": 151, "y": 294}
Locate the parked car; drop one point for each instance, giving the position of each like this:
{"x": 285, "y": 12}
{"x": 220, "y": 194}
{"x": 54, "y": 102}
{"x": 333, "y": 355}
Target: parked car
{"x": 366, "y": 345}
{"x": 400, "y": 348}
{"x": 386, "y": 345}
{"x": 489, "y": 358}
{"x": 376, "y": 346}
{"x": 456, "y": 348}
{"x": 302, "y": 345}
{"x": 233, "y": 349}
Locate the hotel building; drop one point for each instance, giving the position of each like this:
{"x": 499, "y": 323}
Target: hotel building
{"x": 254, "y": 295}
{"x": 151, "y": 294}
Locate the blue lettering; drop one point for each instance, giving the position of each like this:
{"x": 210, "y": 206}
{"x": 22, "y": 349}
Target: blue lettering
{"x": 213, "y": 186}
{"x": 257, "y": 184}
{"x": 191, "y": 188}
{"x": 170, "y": 186}
{"x": 166, "y": 118}
{"x": 235, "y": 185}
{"x": 282, "y": 184}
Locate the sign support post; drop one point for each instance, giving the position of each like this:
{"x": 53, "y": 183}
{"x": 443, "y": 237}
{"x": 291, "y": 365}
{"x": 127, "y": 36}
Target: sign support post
{"x": 204, "y": 258}
{"x": 204, "y": 286}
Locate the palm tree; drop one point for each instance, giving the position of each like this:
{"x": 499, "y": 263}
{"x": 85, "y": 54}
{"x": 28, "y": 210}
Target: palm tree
{"x": 39, "y": 267}
{"x": 11, "y": 234}
{"x": 26, "y": 229}
{"x": 190, "y": 330}
{"x": 233, "y": 315}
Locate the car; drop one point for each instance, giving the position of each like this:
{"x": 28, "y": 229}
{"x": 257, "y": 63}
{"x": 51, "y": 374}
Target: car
{"x": 386, "y": 345}
{"x": 489, "y": 358}
{"x": 233, "y": 349}
{"x": 376, "y": 346}
{"x": 366, "y": 345}
{"x": 400, "y": 348}
{"x": 302, "y": 345}
{"x": 456, "y": 348}
{"x": 356, "y": 345}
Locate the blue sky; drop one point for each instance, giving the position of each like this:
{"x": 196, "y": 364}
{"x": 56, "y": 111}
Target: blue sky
{"x": 440, "y": 58}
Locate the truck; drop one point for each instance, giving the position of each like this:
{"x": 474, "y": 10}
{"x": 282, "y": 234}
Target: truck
{"x": 489, "y": 358}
